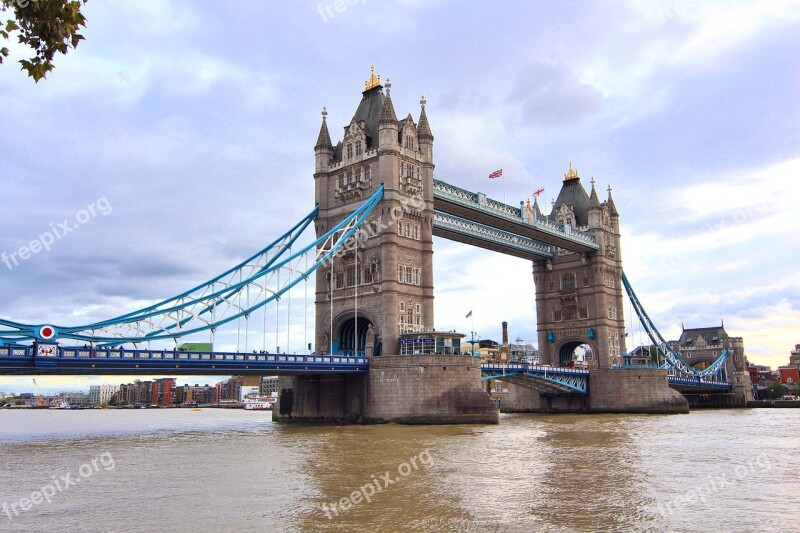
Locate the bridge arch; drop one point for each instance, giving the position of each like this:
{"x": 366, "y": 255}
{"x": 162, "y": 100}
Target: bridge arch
{"x": 350, "y": 333}
{"x": 566, "y": 350}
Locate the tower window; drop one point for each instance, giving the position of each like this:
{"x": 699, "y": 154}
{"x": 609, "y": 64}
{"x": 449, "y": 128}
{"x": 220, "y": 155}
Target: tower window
{"x": 358, "y": 148}
{"x": 556, "y": 315}
{"x": 353, "y": 276}
{"x": 568, "y": 282}
{"x": 366, "y": 173}
{"x": 349, "y": 151}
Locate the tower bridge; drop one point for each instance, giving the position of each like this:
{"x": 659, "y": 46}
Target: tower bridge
{"x": 377, "y": 210}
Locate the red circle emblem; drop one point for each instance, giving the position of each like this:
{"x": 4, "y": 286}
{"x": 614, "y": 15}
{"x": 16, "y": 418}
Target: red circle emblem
{"x": 47, "y": 332}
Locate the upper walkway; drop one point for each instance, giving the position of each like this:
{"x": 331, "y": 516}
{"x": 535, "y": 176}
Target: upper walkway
{"x": 477, "y": 207}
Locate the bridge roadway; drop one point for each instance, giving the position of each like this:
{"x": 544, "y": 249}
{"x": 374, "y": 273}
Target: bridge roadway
{"x": 53, "y": 359}
{"x": 501, "y": 218}
{"x": 20, "y": 360}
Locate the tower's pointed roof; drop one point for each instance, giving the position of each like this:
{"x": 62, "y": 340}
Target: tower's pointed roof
{"x": 594, "y": 200}
{"x": 324, "y": 138}
{"x": 424, "y": 129}
{"x": 572, "y": 193}
{"x": 611, "y": 206}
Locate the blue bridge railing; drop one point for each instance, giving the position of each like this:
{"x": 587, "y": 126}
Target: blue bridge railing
{"x": 54, "y": 359}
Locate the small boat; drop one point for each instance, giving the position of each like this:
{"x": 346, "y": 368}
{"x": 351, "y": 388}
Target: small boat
{"x": 257, "y": 404}
{"x": 60, "y": 405}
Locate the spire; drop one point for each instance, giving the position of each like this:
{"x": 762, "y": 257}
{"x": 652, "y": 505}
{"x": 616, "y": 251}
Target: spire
{"x": 536, "y": 209}
{"x": 387, "y": 114}
{"x": 594, "y": 201}
{"x": 424, "y": 129}
{"x": 324, "y": 138}
{"x": 611, "y": 206}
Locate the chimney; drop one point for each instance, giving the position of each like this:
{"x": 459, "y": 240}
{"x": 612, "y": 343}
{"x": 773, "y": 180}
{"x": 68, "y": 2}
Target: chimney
{"x": 504, "y": 346}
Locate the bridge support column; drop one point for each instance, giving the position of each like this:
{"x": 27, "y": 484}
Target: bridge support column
{"x": 403, "y": 389}
{"x": 428, "y": 389}
{"x": 633, "y": 391}
{"x": 329, "y": 398}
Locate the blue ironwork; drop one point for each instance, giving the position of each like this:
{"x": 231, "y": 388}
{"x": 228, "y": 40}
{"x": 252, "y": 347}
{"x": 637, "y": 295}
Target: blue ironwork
{"x": 671, "y": 356}
{"x": 570, "y": 380}
{"x": 214, "y": 303}
{"x": 699, "y": 383}
{"x": 86, "y": 360}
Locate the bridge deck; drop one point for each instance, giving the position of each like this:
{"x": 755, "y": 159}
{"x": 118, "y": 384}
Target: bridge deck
{"x": 20, "y": 360}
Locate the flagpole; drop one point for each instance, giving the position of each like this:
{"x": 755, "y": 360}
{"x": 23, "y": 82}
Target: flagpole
{"x": 504, "y": 183}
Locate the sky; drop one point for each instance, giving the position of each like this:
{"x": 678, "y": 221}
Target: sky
{"x": 178, "y": 139}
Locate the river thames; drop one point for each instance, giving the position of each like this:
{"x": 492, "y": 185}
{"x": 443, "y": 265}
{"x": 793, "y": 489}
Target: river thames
{"x": 232, "y": 470}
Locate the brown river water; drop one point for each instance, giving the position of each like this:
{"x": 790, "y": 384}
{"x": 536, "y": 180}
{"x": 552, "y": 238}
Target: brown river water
{"x": 231, "y": 470}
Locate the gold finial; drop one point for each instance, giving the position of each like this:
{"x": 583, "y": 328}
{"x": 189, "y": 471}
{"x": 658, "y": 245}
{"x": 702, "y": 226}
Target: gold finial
{"x": 373, "y": 80}
{"x": 571, "y": 174}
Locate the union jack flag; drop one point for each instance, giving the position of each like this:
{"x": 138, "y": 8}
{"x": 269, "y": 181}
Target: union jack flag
{"x": 496, "y": 174}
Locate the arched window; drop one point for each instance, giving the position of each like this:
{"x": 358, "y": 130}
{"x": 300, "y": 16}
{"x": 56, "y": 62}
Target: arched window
{"x": 349, "y": 151}
{"x": 568, "y": 282}
{"x": 358, "y": 148}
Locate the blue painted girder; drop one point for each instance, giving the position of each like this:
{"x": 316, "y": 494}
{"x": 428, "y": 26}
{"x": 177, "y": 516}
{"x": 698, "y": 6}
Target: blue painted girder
{"x": 569, "y": 380}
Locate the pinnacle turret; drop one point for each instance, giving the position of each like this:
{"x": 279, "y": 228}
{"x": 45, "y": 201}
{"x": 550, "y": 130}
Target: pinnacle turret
{"x": 594, "y": 200}
{"x": 611, "y": 207}
{"x": 424, "y": 129}
{"x": 324, "y": 138}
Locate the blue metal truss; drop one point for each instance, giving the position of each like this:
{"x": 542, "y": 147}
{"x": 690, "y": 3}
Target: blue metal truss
{"x": 257, "y": 281}
{"x": 680, "y": 372}
{"x": 568, "y": 380}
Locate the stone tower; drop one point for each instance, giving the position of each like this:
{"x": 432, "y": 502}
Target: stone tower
{"x": 384, "y": 286}
{"x": 579, "y": 296}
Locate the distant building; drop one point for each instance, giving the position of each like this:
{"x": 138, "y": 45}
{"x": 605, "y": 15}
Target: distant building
{"x": 269, "y": 384}
{"x": 523, "y": 353}
{"x": 488, "y": 350}
{"x": 161, "y": 391}
{"x": 794, "y": 356}
{"x": 73, "y": 398}
{"x": 138, "y": 392}
{"x": 700, "y": 347}
{"x": 229, "y": 390}
{"x": 102, "y": 394}
{"x": 790, "y": 375}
